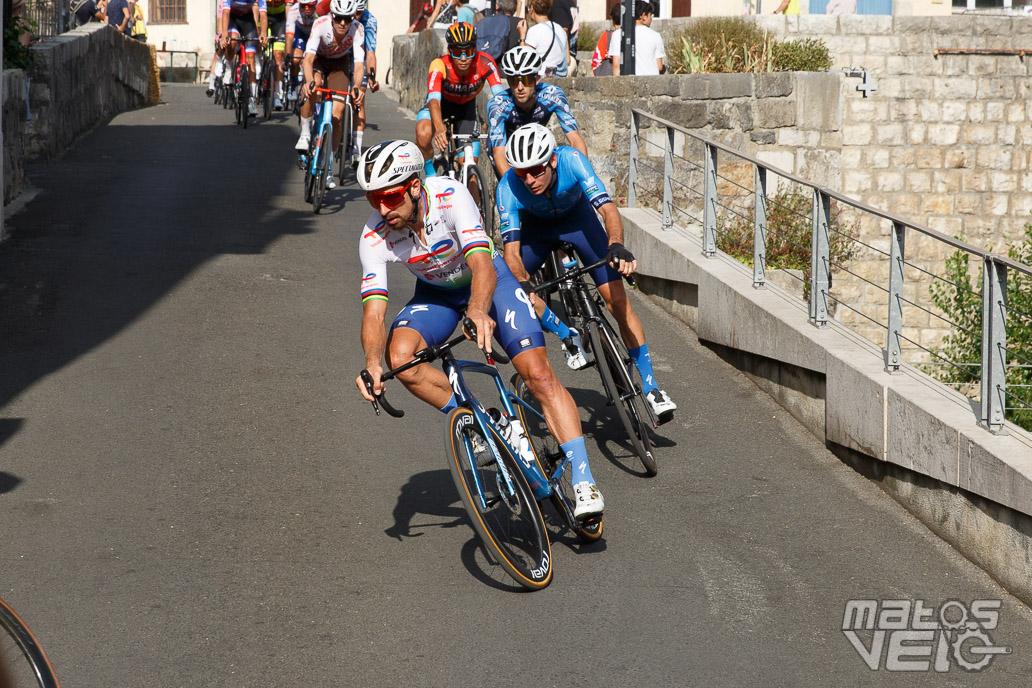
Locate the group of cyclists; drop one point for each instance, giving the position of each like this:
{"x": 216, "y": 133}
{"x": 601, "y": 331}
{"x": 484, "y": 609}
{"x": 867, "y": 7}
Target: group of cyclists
{"x": 331, "y": 43}
{"x": 546, "y": 195}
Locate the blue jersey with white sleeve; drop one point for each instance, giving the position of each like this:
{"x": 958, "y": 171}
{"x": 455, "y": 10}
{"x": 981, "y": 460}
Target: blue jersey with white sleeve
{"x": 505, "y": 117}
{"x": 574, "y": 181}
{"x": 369, "y": 24}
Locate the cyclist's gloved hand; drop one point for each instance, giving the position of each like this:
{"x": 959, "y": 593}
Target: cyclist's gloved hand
{"x": 618, "y": 254}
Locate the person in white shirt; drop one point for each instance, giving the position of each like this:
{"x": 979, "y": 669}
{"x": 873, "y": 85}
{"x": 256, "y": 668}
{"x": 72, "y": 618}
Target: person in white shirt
{"x": 547, "y": 38}
{"x": 648, "y": 45}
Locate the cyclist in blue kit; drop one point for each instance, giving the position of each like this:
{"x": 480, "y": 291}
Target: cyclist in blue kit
{"x": 557, "y": 188}
{"x": 434, "y": 228}
{"x": 526, "y": 101}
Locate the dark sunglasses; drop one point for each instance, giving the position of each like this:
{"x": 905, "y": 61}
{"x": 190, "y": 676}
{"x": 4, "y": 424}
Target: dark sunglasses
{"x": 526, "y": 80}
{"x": 391, "y": 198}
{"x": 463, "y": 53}
{"x": 343, "y": 18}
{"x": 535, "y": 171}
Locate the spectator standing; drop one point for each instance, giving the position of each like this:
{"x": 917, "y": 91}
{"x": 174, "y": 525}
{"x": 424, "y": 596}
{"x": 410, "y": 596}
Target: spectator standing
{"x": 499, "y": 32}
{"x": 86, "y": 11}
{"x": 425, "y": 12}
{"x": 841, "y": 7}
{"x": 562, "y": 14}
{"x": 648, "y": 45}
{"x": 788, "y": 7}
{"x": 465, "y": 13}
{"x": 139, "y": 26}
{"x": 547, "y": 38}
{"x": 601, "y": 63}
{"x": 118, "y": 14}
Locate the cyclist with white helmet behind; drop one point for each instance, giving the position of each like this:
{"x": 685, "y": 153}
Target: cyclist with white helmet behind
{"x": 527, "y": 100}
{"x": 433, "y": 227}
{"x": 335, "y": 44}
{"x": 301, "y": 16}
{"x": 550, "y": 196}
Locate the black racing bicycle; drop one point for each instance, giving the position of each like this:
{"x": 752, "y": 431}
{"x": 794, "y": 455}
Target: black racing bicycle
{"x": 585, "y": 310}
{"x": 23, "y": 662}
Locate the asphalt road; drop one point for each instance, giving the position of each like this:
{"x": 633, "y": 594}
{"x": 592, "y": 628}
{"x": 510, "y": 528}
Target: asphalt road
{"x": 192, "y": 493}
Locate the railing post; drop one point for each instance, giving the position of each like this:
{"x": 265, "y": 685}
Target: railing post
{"x": 820, "y": 260}
{"x": 709, "y": 208}
{"x": 759, "y": 270}
{"x": 893, "y": 343}
{"x": 994, "y": 345}
{"x": 668, "y": 179}
{"x": 632, "y": 167}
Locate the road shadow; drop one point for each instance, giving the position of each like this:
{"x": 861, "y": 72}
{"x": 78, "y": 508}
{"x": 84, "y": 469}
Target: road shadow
{"x": 424, "y": 503}
{"x": 126, "y": 214}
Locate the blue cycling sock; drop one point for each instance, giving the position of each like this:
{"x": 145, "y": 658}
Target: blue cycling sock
{"x": 579, "y": 460}
{"x": 642, "y": 359}
{"x": 452, "y": 404}
{"x": 550, "y": 322}
{"x": 428, "y": 167}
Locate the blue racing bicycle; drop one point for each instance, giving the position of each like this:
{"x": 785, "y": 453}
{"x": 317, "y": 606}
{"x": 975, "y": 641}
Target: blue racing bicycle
{"x": 504, "y": 463}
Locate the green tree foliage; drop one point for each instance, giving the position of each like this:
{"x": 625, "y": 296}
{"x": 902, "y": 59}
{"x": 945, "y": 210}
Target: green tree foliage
{"x": 16, "y": 55}
{"x": 960, "y": 300}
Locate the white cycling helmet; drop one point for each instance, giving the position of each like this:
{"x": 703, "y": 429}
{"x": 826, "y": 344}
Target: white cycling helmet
{"x": 361, "y": 4}
{"x": 521, "y": 61}
{"x": 348, "y": 7}
{"x": 388, "y": 164}
{"x": 530, "y": 145}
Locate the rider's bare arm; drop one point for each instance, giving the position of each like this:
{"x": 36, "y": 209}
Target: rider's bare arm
{"x": 374, "y": 341}
{"x": 481, "y": 295}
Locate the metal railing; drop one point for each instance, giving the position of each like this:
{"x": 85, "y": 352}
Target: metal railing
{"x": 992, "y": 330}
{"x": 51, "y": 16}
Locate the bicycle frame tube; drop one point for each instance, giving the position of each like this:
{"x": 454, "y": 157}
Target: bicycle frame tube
{"x": 324, "y": 117}
{"x": 454, "y": 369}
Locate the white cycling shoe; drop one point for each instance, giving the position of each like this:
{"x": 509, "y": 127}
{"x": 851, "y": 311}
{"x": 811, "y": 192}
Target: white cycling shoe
{"x": 303, "y": 143}
{"x": 252, "y": 107}
{"x": 576, "y": 357}
{"x": 277, "y": 102}
{"x": 588, "y": 500}
{"x": 331, "y": 182}
{"x": 661, "y": 405}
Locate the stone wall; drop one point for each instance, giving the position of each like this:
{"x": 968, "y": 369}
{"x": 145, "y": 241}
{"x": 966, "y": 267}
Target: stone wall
{"x": 15, "y": 121}
{"x": 941, "y": 141}
{"x": 79, "y": 79}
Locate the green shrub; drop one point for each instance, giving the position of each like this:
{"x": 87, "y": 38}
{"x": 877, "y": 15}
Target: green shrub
{"x": 961, "y": 303}
{"x": 806, "y": 55}
{"x": 16, "y": 55}
{"x": 734, "y": 45}
{"x": 789, "y": 230}
{"x": 587, "y": 38}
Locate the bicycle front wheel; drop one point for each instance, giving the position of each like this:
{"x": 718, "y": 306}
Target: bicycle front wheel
{"x": 507, "y": 520}
{"x": 346, "y": 139}
{"x": 244, "y": 95}
{"x": 21, "y": 655}
{"x": 324, "y": 159}
{"x": 549, "y": 455}
{"x": 615, "y": 379}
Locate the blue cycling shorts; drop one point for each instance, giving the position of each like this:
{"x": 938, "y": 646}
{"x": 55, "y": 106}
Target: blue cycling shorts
{"x": 434, "y": 313}
{"x": 539, "y": 236}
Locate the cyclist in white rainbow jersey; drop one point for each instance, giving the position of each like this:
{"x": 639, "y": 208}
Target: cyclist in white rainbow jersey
{"x": 434, "y": 228}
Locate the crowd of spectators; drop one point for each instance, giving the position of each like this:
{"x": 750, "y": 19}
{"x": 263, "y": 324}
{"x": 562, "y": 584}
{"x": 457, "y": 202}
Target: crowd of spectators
{"x": 126, "y": 16}
{"x": 550, "y": 27}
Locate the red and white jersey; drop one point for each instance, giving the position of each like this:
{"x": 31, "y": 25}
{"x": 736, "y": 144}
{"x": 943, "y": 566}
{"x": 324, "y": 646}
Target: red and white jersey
{"x": 324, "y": 43}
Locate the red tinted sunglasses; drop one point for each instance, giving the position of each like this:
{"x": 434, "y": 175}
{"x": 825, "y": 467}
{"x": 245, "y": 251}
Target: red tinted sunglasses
{"x": 391, "y": 198}
{"x": 535, "y": 171}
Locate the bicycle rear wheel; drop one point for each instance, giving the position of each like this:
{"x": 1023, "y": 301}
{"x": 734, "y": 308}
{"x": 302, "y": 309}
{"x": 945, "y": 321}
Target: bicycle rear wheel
{"x": 510, "y": 527}
{"x": 615, "y": 377}
{"x": 322, "y": 173}
{"x": 21, "y": 655}
{"x": 549, "y": 455}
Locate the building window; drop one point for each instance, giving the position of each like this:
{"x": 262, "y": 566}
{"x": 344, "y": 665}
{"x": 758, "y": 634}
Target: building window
{"x": 167, "y": 12}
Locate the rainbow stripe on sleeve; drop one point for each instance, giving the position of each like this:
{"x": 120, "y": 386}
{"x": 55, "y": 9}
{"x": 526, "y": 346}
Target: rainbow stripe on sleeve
{"x": 477, "y": 247}
{"x": 371, "y": 294}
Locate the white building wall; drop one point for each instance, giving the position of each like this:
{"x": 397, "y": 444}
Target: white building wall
{"x": 198, "y": 34}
